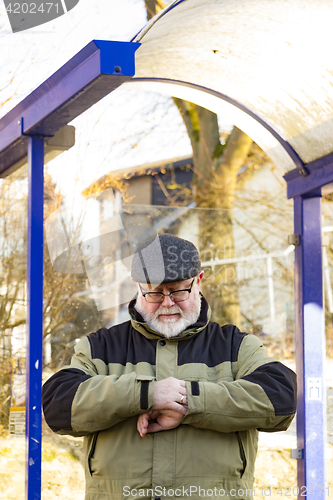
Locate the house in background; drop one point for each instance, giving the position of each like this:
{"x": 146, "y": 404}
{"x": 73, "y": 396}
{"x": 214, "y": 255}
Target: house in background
{"x": 148, "y": 184}
{"x": 150, "y": 193}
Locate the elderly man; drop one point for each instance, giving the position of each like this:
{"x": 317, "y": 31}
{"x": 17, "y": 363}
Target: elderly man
{"x": 170, "y": 403}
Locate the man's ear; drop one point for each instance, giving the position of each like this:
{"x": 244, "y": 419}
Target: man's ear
{"x": 200, "y": 276}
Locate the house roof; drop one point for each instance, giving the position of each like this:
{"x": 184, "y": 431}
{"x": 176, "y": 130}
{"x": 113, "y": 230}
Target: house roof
{"x": 150, "y": 168}
{"x": 161, "y": 166}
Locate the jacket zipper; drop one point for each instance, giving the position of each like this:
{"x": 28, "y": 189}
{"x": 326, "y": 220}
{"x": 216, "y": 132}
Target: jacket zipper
{"x": 92, "y": 450}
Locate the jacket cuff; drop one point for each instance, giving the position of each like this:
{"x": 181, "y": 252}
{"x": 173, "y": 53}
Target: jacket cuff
{"x": 145, "y": 389}
{"x": 196, "y": 403}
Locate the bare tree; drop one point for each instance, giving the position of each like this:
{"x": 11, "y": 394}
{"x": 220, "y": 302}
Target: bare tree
{"x": 12, "y": 278}
{"x": 67, "y": 314}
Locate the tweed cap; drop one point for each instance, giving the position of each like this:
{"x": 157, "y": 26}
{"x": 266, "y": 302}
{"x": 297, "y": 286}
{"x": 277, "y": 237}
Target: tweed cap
{"x": 164, "y": 259}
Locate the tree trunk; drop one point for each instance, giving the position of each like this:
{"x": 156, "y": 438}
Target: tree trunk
{"x": 153, "y": 7}
{"x": 216, "y": 167}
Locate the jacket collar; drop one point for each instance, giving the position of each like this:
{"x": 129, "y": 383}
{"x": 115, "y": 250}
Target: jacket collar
{"x": 141, "y": 326}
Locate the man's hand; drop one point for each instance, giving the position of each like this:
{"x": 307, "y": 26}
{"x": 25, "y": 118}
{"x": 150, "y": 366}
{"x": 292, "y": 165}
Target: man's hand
{"x": 170, "y": 394}
{"x": 169, "y": 400}
{"x": 165, "y": 420}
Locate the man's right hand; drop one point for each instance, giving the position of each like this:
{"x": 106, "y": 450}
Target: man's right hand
{"x": 168, "y": 393}
{"x": 165, "y": 420}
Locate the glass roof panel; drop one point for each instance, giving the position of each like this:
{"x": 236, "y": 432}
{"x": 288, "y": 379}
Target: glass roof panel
{"x": 273, "y": 57}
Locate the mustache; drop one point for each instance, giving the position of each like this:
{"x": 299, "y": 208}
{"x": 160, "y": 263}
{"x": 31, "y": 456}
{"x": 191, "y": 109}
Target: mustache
{"x": 169, "y": 310}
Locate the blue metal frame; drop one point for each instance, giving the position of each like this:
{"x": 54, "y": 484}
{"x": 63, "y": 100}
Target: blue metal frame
{"x": 310, "y": 347}
{"x": 310, "y": 323}
{"x": 319, "y": 173}
{"x": 34, "y": 358}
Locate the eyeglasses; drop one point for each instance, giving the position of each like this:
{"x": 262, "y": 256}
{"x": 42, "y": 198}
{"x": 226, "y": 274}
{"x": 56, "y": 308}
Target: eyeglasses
{"x": 176, "y": 296}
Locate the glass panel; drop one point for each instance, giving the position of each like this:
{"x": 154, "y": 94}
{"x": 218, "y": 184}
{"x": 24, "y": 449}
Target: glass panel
{"x": 248, "y": 281}
{"x": 13, "y": 216}
{"x": 87, "y": 286}
{"x": 248, "y": 277}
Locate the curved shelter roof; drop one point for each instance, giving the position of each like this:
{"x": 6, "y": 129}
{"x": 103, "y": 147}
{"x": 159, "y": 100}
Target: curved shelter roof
{"x": 269, "y": 58}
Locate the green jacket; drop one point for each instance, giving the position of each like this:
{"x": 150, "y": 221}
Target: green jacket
{"x": 234, "y": 389}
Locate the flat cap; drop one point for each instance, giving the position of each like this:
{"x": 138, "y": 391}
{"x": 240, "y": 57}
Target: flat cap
{"x": 164, "y": 259}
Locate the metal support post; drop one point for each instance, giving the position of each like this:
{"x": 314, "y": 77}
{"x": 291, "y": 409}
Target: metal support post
{"x": 34, "y": 356}
{"x": 310, "y": 348}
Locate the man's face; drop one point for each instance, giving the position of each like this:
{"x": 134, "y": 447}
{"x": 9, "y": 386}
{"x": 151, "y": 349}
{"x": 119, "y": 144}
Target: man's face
{"x": 169, "y": 318}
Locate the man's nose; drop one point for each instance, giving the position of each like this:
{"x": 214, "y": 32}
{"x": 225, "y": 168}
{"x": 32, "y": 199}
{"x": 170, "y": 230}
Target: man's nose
{"x": 167, "y": 301}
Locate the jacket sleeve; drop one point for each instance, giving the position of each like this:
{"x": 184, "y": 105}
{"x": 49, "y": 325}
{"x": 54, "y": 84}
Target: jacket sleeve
{"x": 262, "y": 396}
{"x": 79, "y": 400}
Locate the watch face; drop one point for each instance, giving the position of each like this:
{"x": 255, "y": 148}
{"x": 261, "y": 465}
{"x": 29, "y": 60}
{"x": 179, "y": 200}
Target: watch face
{"x": 24, "y": 15}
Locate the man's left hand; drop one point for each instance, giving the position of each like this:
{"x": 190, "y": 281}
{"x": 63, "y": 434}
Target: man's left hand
{"x": 165, "y": 420}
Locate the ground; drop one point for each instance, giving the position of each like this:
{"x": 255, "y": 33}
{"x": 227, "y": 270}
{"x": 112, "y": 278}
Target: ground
{"x": 63, "y": 478}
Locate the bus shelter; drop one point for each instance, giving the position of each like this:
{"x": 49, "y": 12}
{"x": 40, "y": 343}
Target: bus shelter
{"x": 268, "y": 67}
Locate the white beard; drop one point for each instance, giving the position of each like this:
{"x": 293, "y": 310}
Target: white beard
{"x": 173, "y": 326}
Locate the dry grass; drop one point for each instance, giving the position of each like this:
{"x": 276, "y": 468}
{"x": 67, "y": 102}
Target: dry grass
{"x": 276, "y": 472}
{"x": 63, "y": 477}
